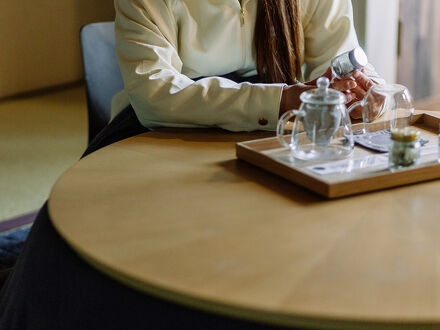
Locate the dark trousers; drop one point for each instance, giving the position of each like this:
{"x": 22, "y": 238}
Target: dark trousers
{"x": 52, "y": 288}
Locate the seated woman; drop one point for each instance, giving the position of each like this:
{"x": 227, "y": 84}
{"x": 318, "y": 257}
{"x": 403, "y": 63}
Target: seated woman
{"x": 185, "y": 63}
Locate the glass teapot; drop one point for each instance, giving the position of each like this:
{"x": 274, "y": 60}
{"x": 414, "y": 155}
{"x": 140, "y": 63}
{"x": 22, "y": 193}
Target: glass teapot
{"x": 322, "y": 126}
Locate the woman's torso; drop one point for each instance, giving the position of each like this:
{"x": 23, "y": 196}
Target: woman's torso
{"x": 216, "y": 36}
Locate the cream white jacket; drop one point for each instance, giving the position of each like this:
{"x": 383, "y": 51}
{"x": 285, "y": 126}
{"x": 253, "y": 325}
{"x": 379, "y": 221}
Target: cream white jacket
{"x": 162, "y": 44}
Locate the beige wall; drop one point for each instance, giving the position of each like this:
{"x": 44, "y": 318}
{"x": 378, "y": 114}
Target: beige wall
{"x": 39, "y": 41}
{"x": 378, "y": 33}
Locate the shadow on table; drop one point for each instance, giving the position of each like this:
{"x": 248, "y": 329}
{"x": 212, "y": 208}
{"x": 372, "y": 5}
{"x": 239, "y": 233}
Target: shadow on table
{"x": 205, "y": 134}
{"x": 276, "y": 184}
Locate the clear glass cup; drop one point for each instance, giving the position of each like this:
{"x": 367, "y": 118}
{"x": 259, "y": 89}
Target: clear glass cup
{"x": 392, "y": 101}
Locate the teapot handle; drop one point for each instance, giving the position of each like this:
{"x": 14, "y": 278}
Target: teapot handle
{"x": 282, "y": 122}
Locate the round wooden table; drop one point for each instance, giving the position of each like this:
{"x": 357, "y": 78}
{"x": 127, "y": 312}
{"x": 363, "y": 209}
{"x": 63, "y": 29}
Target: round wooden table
{"x": 175, "y": 214}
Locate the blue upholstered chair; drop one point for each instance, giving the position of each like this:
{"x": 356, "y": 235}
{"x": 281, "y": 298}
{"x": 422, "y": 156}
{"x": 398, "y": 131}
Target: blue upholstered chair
{"x": 102, "y": 76}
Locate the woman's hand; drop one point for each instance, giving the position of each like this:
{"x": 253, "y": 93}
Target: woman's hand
{"x": 363, "y": 85}
{"x": 290, "y": 97}
{"x": 354, "y": 89}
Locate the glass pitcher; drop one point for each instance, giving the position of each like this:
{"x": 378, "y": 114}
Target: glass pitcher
{"x": 392, "y": 102}
{"x": 321, "y": 129}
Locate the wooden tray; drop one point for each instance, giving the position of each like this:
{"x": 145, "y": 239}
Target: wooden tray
{"x": 269, "y": 155}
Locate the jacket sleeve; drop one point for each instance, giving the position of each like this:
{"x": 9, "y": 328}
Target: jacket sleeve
{"x": 328, "y": 31}
{"x": 146, "y": 44}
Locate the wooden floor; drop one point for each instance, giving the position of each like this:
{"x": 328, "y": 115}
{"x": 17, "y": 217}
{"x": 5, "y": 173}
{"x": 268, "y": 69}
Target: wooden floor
{"x": 40, "y": 137}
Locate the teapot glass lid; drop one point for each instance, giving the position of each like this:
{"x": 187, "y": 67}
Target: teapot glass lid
{"x": 323, "y": 95}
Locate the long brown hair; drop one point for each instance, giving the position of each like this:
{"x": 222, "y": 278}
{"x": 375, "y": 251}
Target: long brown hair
{"x": 278, "y": 41}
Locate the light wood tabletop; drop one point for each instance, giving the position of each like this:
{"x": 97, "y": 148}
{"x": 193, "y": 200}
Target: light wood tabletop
{"x": 173, "y": 213}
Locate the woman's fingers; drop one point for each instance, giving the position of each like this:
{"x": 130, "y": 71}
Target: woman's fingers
{"x": 355, "y": 89}
{"x": 359, "y": 92}
{"x": 351, "y": 97}
{"x": 356, "y": 113}
{"x": 344, "y": 85}
{"x": 363, "y": 80}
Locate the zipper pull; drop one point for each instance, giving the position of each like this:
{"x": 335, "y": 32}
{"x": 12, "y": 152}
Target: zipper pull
{"x": 242, "y": 16}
